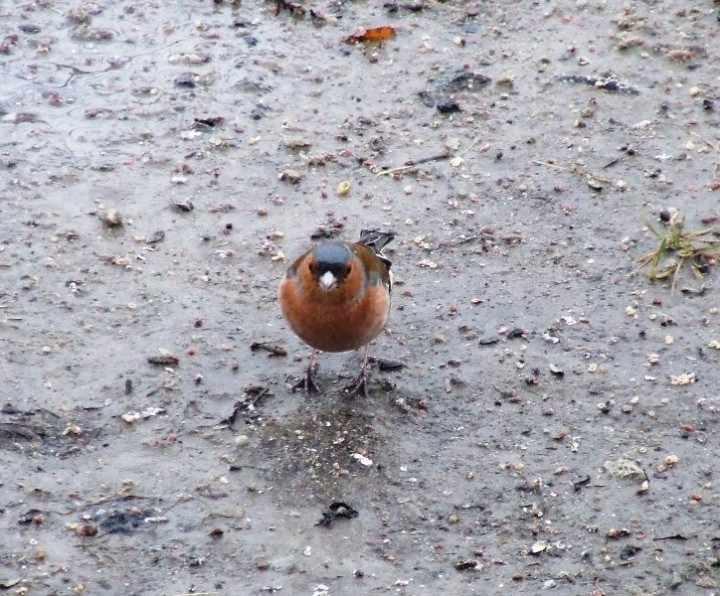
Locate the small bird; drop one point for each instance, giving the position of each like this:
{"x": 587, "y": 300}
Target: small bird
{"x": 336, "y": 298}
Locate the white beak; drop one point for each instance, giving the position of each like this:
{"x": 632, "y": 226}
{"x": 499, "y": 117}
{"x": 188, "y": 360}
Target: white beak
{"x": 327, "y": 281}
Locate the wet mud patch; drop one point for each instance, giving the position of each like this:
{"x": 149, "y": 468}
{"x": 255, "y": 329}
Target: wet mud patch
{"x": 324, "y": 450}
{"x": 40, "y": 432}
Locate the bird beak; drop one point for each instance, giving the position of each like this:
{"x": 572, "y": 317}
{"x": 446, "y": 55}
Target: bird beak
{"x": 327, "y": 281}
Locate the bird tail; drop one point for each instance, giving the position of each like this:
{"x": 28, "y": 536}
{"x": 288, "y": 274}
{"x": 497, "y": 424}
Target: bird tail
{"x": 376, "y": 239}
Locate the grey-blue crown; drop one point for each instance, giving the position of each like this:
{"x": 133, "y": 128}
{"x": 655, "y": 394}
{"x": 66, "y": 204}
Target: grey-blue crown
{"x": 331, "y": 256}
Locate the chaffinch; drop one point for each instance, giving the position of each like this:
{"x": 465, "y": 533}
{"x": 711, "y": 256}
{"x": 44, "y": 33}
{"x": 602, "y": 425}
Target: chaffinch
{"x": 336, "y": 297}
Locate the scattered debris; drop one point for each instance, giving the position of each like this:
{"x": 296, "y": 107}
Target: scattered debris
{"x": 459, "y": 80}
{"x": 386, "y": 365}
{"x": 273, "y": 350}
{"x": 678, "y": 247}
{"x": 343, "y": 188}
{"x": 409, "y": 6}
{"x": 164, "y": 359}
{"x": 290, "y": 176}
{"x": 127, "y": 520}
{"x": 629, "y": 551}
{"x": 155, "y": 238}
{"x": 188, "y": 80}
{"x": 252, "y": 396}
{"x": 111, "y": 218}
{"x": 538, "y": 547}
{"x": 579, "y": 484}
{"x": 469, "y": 565}
{"x": 365, "y": 461}
{"x": 149, "y": 412}
{"x": 682, "y": 379}
{"x": 606, "y": 83}
{"x": 448, "y": 106}
{"x": 19, "y": 117}
{"x": 336, "y": 510}
{"x": 413, "y": 163}
{"x": 193, "y": 59}
{"x": 625, "y": 468}
{"x": 296, "y": 143}
{"x": 186, "y": 205}
{"x": 294, "y": 8}
{"x": 375, "y": 35}
{"x": 688, "y": 291}
{"x": 31, "y": 516}
{"x": 208, "y": 121}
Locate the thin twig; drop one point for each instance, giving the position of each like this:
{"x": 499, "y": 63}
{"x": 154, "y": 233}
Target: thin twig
{"x": 476, "y": 140}
{"x": 715, "y": 147}
{"x": 574, "y": 170}
{"x": 411, "y": 163}
{"x": 704, "y": 140}
{"x": 553, "y": 165}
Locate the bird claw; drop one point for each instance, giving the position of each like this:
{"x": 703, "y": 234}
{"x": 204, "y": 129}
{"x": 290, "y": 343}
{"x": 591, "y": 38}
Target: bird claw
{"x": 357, "y": 387}
{"x": 305, "y": 384}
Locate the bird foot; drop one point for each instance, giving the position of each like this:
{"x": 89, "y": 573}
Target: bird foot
{"x": 357, "y": 387}
{"x": 306, "y": 383}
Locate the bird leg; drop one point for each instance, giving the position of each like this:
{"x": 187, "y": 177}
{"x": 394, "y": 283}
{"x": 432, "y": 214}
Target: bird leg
{"x": 307, "y": 383}
{"x": 359, "y": 385}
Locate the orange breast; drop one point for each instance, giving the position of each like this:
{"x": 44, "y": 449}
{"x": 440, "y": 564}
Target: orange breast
{"x": 346, "y": 318}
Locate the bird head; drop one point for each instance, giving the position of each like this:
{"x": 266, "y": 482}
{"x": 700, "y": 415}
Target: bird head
{"x": 330, "y": 265}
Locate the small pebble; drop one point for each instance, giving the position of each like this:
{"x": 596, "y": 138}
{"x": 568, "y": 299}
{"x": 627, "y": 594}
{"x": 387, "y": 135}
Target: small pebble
{"x": 262, "y": 564}
{"x": 185, "y": 79}
{"x": 291, "y": 176}
{"x": 343, "y": 188}
{"x": 448, "y": 106}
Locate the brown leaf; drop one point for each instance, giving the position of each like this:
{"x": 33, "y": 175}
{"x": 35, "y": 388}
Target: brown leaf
{"x": 375, "y": 35}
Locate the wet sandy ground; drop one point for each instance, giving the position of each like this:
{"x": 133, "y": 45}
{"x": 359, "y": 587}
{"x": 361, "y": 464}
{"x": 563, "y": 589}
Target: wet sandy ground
{"x": 162, "y": 162}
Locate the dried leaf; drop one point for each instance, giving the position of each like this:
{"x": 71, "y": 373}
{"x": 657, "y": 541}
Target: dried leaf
{"x": 375, "y": 35}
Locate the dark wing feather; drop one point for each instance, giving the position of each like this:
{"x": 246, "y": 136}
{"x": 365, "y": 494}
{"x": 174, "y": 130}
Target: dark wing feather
{"x": 377, "y": 240}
